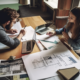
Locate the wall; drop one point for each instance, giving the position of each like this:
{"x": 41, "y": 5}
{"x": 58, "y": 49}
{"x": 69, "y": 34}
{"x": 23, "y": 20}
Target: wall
{"x": 8, "y": 2}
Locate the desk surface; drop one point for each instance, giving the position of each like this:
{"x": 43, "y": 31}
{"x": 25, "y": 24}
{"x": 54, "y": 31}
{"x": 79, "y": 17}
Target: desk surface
{"x": 28, "y": 21}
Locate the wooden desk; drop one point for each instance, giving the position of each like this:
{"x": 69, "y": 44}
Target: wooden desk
{"x": 29, "y": 21}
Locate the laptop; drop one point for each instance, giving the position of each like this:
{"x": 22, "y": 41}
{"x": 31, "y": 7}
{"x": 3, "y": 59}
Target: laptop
{"x": 28, "y": 45}
{"x": 44, "y": 28}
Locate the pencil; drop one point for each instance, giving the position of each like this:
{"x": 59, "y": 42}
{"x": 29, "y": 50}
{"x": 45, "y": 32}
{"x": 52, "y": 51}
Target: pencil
{"x": 42, "y": 45}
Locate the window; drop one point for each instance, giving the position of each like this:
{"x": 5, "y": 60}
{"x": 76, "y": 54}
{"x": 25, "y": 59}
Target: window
{"x": 52, "y": 3}
{"x": 9, "y": 2}
{"x": 79, "y": 3}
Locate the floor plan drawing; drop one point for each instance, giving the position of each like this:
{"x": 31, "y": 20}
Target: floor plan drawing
{"x": 54, "y": 59}
{"x": 46, "y": 61}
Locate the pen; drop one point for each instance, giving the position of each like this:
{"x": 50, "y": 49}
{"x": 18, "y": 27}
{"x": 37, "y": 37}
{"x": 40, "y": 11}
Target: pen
{"x": 42, "y": 45}
{"x": 24, "y": 27}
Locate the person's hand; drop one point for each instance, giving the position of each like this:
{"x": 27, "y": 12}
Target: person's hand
{"x": 12, "y": 31}
{"x": 63, "y": 39}
{"x": 65, "y": 35}
{"x": 51, "y": 33}
{"x": 23, "y": 32}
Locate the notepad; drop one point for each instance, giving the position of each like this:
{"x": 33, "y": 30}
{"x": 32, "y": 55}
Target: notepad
{"x": 68, "y": 73}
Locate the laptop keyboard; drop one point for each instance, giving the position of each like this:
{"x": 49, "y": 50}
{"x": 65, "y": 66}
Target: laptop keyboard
{"x": 28, "y": 46}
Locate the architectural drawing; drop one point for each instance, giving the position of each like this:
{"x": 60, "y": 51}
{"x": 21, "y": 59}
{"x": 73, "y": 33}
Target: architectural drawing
{"x": 54, "y": 59}
{"x": 46, "y": 61}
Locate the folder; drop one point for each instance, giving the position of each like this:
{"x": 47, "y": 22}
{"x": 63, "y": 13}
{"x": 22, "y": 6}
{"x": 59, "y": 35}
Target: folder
{"x": 69, "y": 73}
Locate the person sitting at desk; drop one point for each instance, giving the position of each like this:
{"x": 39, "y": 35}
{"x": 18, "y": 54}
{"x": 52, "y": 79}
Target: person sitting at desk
{"x": 8, "y": 17}
{"x": 71, "y": 31}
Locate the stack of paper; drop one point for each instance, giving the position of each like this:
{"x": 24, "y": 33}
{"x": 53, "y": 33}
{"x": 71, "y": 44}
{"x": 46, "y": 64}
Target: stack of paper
{"x": 48, "y": 42}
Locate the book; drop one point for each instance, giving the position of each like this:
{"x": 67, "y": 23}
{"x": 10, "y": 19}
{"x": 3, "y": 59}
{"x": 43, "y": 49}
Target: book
{"x": 69, "y": 73}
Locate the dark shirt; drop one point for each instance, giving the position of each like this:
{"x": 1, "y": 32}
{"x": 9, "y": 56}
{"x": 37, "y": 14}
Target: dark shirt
{"x": 5, "y": 39}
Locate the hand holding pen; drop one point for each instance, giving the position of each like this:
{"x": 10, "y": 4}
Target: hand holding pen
{"x": 51, "y": 33}
{"x": 23, "y": 31}
{"x": 21, "y": 34}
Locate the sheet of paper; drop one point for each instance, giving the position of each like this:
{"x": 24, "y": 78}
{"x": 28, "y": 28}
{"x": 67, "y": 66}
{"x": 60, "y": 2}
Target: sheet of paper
{"x": 41, "y": 48}
{"x": 48, "y": 43}
{"x": 58, "y": 77}
{"x": 10, "y": 68}
{"x": 53, "y": 38}
{"x": 45, "y": 63}
{"x": 29, "y": 34}
{"x": 42, "y": 37}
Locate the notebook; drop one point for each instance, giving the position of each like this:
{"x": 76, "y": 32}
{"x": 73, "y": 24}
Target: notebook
{"x": 69, "y": 73}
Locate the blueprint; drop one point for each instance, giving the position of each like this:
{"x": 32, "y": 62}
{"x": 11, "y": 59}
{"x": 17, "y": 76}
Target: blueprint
{"x": 54, "y": 59}
{"x": 45, "y": 64}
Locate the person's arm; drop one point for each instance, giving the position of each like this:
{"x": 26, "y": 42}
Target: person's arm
{"x": 22, "y": 33}
{"x": 74, "y": 43}
{"x": 12, "y": 43}
{"x": 12, "y": 31}
{"x": 5, "y": 39}
{"x": 51, "y": 33}
{"x": 59, "y": 31}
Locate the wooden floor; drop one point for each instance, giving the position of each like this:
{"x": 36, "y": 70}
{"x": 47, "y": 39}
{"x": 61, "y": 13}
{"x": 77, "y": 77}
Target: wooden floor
{"x": 26, "y": 11}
